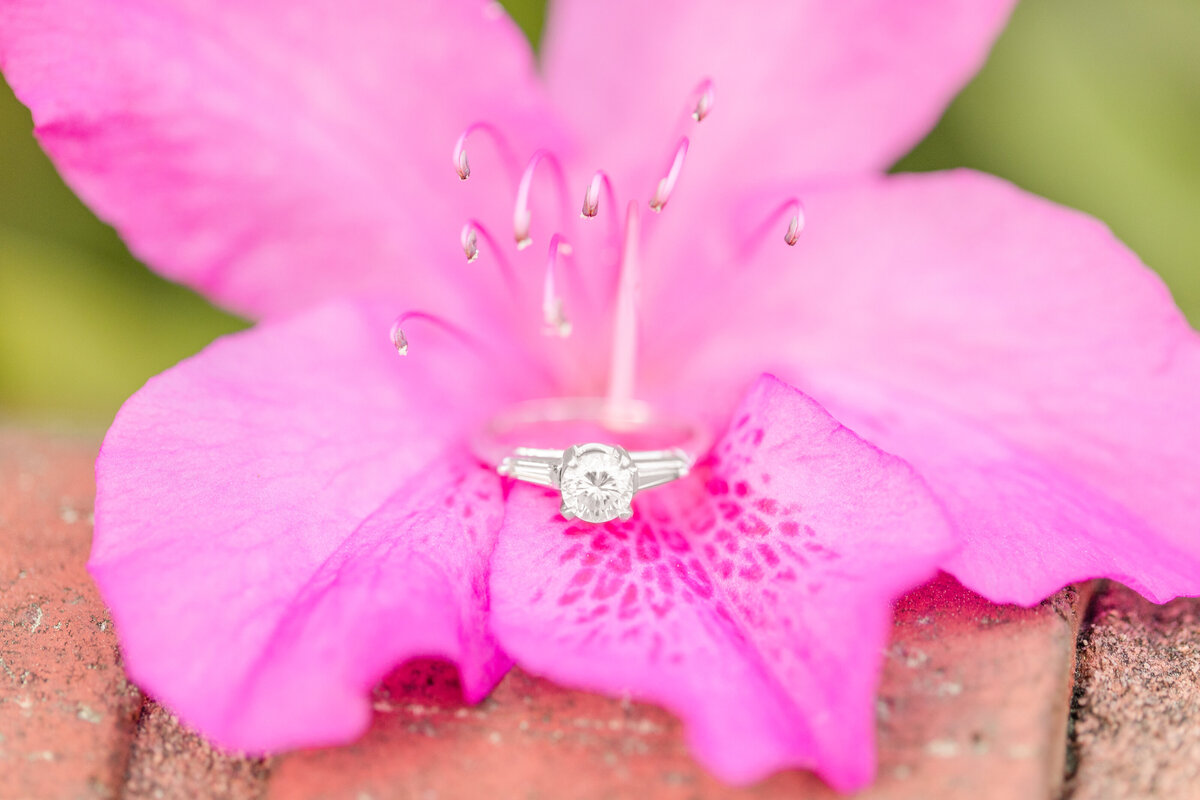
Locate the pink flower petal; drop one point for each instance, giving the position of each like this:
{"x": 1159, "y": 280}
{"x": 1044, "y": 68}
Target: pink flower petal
{"x": 284, "y": 517}
{"x": 273, "y": 153}
{"x": 1035, "y": 373}
{"x": 801, "y": 89}
{"x": 752, "y": 599}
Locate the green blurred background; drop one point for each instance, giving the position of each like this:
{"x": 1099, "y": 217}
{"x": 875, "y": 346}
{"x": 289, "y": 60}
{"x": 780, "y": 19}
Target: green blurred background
{"x": 1093, "y": 103}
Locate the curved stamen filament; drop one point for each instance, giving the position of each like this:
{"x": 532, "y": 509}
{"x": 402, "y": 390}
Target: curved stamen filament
{"x": 667, "y": 185}
{"x": 623, "y": 369}
{"x": 531, "y": 368}
{"x": 521, "y": 214}
{"x": 556, "y": 322}
{"x": 400, "y": 339}
{"x": 462, "y": 164}
{"x": 472, "y": 231}
{"x": 703, "y": 100}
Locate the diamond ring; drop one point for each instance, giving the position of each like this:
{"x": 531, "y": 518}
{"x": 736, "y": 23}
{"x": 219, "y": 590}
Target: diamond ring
{"x": 597, "y": 480}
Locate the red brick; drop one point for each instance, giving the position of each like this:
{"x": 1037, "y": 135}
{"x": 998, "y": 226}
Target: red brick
{"x": 1137, "y": 715}
{"x": 169, "y": 762}
{"x": 974, "y": 703}
{"x": 66, "y": 710}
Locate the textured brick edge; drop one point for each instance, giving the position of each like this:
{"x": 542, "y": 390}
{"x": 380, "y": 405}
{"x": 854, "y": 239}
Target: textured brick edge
{"x": 169, "y": 761}
{"x": 1136, "y": 714}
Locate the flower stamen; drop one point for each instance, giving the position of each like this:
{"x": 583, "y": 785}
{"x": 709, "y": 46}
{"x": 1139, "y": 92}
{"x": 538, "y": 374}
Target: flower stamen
{"x": 522, "y": 217}
{"x": 599, "y": 184}
{"x": 553, "y": 315}
{"x": 623, "y": 369}
{"x": 400, "y": 338}
{"x": 703, "y": 104}
{"x": 791, "y": 209}
{"x": 591, "y": 198}
{"x": 532, "y": 368}
{"x": 462, "y": 164}
{"x": 470, "y": 242}
{"x": 667, "y": 185}
{"x": 472, "y": 231}
{"x": 795, "y": 226}
{"x": 795, "y": 211}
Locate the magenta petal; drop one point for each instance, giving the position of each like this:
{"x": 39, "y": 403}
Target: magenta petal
{"x": 273, "y": 153}
{"x": 1033, "y": 518}
{"x": 279, "y": 521}
{"x": 802, "y": 88}
{"x": 1035, "y": 373}
{"x": 753, "y": 599}
{"x": 410, "y": 581}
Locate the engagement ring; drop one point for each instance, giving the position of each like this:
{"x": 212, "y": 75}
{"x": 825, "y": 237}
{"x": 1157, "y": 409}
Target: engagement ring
{"x": 597, "y": 479}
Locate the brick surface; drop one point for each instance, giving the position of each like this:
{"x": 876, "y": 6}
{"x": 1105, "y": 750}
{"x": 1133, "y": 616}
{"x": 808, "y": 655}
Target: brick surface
{"x": 974, "y": 699}
{"x": 66, "y": 709}
{"x": 974, "y": 703}
{"x": 168, "y": 761}
{"x": 1137, "y": 713}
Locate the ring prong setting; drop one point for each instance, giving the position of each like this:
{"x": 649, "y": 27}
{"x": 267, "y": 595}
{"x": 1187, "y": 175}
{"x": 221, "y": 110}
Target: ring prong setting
{"x": 597, "y": 482}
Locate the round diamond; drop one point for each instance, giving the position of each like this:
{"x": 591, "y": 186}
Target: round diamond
{"x": 597, "y": 482}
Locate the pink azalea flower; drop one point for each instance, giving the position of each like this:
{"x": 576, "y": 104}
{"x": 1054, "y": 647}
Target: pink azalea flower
{"x": 967, "y": 377}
